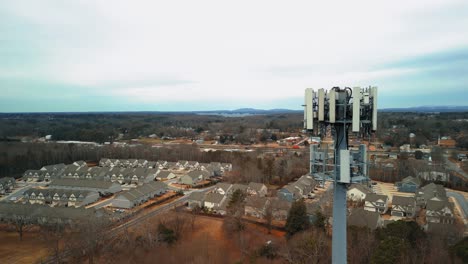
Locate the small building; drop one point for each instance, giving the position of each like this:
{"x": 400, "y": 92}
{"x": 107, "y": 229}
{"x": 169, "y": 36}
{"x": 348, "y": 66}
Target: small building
{"x": 238, "y": 186}
{"x": 357, "y": 192}
{"x": 7, "y": 184}
{"x": 256, "y": 206}
{"x": 364, "y": 218}
{"x": 298, "y": 189}
{"x": 376, "y": 203}
{"x": 434, "y": 176}
{"x": 86, "y": 185}
{"x": 429, "y": 192}
{"x": 222, "y": 188}
{"x": 60, "y": 197}
{"x": 165, "y": 175}
{"x": 280, "y": 208}
{"x": 139, "y": 195}
{"x": 403, "y": 206}
{"x": 213, "y": 200}
{"x": 409, "y": 184}
{"x": 257, "y": 189}
{"x": 439, "y": 212}
{"x": 196, "y": 199}
{"x": 194, "y": 177}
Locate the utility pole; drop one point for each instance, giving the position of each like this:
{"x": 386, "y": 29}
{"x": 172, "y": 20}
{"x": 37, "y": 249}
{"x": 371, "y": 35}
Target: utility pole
{"x": 341, "y": 109}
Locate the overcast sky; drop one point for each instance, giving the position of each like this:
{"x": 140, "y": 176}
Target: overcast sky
{"x": 206, "y": 55}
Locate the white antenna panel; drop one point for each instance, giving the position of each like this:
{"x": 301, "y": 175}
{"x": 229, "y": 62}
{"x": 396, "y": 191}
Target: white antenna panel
{"x": 309, "y": 109}
{"x": 332, "y": 105}
{"x": 344, "y": 166}
{"x": 365, "y": 97}
{"x": 374, "y": 108}
{"x": 321, "y": 105}
{"x": 356, "y": 108}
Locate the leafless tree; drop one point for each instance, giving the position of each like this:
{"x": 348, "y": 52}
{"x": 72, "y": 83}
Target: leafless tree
{"x": 269, "y": 216}
{"x": 91, "y": 234}
{"x": 54, "y": 234}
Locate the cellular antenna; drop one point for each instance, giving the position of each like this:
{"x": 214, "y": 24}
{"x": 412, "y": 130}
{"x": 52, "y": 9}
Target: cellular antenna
{"x": 339, "y": 110}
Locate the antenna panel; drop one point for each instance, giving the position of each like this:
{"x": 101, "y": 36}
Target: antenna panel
{"x": 356, "y": 108}
{"x": 344, "y": 166}
{"x": 332, "y": 105}
{"x": 374, "y": 108}
{"x": 321, "y": 105}
{"x": 309, "y": 94}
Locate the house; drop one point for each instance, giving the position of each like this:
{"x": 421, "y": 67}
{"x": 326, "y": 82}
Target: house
{"x": 152, "y": 165}
{"x": 429, "y": 192}
{"x": 297, "y": 190}
{"x": 105, "y": 162}
{"x": 280, "y": 208}
{"x": 357, "y": 192}
{"x": 196, "y": 199}
{"x": 376, "y": 203}
{"x": 439, "y": 212}
{"x": 222, "y": 188}
{"x": 409, "y": 184}
{"x": 33, "y": 175}
{"x": 446, "y": 142}
{"x": 191, "y": 165}
{"x": 6, "y": 184}
{"x": 60, "y": 197}
{"x": 403, "y": 206}
{"x": 214, "y": 200}
{"x": 45, "y": 214}
{"x": 364, "y": 218}
{"x": 140, "y": 175}
{"x": 194, "y": 177}
{"x": 238, "y": 186}
{"x": 181, "y": 164}
{"x": 256, "y": 206}
{"x": 226, "y": 167}
{"x": 434, "y": 175}
{"x": 80, "y": 163}
{"x": 170, "y": 166}
{"x": 139, "y": 195}
{"x": 89, "y": 185}
{"x": 165, "y": 175}
{"x": 257, "y": 189}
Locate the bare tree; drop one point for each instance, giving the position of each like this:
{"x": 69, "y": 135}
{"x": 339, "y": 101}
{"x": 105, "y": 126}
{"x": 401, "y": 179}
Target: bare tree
{"x": 21, "y": 220}
{"x": 53, "y": 234}
{"x": 91, "y": 235}
{"x": 269, "y": 216}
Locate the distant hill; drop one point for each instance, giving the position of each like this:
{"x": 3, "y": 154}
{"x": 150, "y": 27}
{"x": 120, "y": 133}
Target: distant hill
{"x": 428, "y": 109}
{"x": 250, "y": 111}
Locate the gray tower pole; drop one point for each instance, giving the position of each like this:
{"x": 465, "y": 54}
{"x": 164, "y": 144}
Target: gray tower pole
{"x": 339, "y": 250}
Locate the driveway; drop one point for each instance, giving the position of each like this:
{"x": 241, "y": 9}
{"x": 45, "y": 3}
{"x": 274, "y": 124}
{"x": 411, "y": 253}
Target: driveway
{"x": 461, "y": 202}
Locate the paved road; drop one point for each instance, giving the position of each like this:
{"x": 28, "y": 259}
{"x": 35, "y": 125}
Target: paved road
{"x": 461, "y": 201}
{"x": 454, "y": 167}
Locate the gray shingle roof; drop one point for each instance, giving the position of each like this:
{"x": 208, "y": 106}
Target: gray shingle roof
{"x": 372, "y": 197}
{"x": 403, "y": 201}
{"x": 438, "y": 205}
{"x": 256, "y": 186}
{"x": 214, "y": 198}
{"x": 362, "y": 218}
{"x": 81, "y": 183}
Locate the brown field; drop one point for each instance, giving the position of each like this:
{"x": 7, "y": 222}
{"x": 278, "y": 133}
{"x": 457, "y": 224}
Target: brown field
{"x": 12, "y": 250}
{"x": 206, "y": 243}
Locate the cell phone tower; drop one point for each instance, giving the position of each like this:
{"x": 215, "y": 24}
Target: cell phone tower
{"x": 340, "y": 110}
